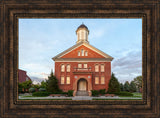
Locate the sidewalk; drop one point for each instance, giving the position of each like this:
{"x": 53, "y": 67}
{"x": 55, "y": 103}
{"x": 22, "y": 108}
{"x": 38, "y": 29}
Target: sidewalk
{"x": 79, "y": 97}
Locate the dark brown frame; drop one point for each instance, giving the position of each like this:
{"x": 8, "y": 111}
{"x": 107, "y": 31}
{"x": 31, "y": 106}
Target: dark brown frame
{"x": 11, "y": 10}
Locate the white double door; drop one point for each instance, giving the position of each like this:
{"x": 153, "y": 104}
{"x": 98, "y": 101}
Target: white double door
{"x": 82, "y": 85}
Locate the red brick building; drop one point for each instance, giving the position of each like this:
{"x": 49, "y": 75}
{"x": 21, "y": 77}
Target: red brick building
{"x": 22, "y": 76}
{"x": 82, "y": 67}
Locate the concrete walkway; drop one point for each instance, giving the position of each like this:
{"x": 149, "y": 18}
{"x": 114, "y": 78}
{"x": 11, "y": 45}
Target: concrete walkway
{"x": 79, "y": 97}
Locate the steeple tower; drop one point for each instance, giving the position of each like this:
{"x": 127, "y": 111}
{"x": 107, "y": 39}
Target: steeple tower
{"x": 82, "y": 33}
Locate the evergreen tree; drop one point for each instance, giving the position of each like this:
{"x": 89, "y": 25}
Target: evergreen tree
{"x": 132, "y": 87}
{"x": 121, "y": 87}
{"x": 113, "y": 85}
{"x": 126, "y": 86}
{"x": 52, "y": 83}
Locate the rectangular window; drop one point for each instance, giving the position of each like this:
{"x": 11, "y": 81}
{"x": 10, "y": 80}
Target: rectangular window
{"x": 96, "y": 80}
{"x": 79, "y": 65}
{"x": 85, "y": 65}
{"x": 96, "y": 68}
{"x": 102, "y": 68}
{"x": 62, "y": 79}
{"x": 68, "y": 80}
{"x": 102, "y": 80}
{"x": 62, "y": 68}
{"x": 68, "y": 68}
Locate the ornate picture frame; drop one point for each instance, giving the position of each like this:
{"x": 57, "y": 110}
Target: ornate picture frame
{"x": 12, "y": 10}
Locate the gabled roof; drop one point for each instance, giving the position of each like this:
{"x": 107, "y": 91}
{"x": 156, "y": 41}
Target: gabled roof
{"x": 88, "y": 46}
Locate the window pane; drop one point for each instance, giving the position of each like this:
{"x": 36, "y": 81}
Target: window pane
{"x": 102, "y": 80}
{"x": 86, "y": 53}
{"x": 62, "y": 68}
{"x": 68, "y": 68}
{"x": 96, "y": 80}
{"x": 68, "y": 80}
{"x": 102, "y": 68}
{"x": 78, "y": 53}
{"x": 62, "y": 80}
{"x": 96, "y": 68}
{"x": 79, "y": 65}
{"x": 82, "y": 52}
{"x": 85, "y": 65}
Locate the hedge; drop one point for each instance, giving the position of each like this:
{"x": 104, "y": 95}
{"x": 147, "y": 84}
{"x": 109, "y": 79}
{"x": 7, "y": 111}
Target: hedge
{"x": 41, "y": 94}
{"x": 102, "y": 91}
{"x": 95, "y": 92}
{"x": 123, "y": 93}
{"x": 70, "y": 92}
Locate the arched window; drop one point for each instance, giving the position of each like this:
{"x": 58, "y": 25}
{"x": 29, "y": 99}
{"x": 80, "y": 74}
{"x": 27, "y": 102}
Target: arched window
{"x": 79, "y": 53}
{"x": 82, "y": 51}
{"x": 96, "y": 68}
{"x": 82, "y": 34}
{"x": 68, "y": 68}
{"x": 86, "y": 53}
{"x": 62, "y": 68}
{"x": 102, "y": 68}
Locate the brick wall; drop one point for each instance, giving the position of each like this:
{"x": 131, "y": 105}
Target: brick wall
{"x": 65, "y": 87}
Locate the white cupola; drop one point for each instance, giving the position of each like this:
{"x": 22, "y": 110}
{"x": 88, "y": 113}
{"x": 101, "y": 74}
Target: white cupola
{"x": 82, "y": 33}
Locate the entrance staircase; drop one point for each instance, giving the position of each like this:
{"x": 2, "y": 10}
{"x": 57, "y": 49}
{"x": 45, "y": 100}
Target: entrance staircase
{"x": 82, "y": 93}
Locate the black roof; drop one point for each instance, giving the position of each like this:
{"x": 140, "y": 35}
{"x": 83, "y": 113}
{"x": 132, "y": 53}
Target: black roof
{"x": 82, "y": 26}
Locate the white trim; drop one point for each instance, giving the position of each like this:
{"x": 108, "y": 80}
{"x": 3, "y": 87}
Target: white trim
{"x": 83, "y": 61}
{"x": 85, "y": 44}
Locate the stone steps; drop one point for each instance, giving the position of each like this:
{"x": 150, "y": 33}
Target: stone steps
{"x": 82, "y": 93}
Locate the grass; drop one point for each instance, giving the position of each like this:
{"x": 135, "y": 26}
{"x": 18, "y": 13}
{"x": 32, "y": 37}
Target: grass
{"x": 44, "y": 99}
{"x": 115, "y": 99}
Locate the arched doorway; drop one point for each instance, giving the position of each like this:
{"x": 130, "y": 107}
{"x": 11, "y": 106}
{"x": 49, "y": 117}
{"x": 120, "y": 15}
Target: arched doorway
{"x": 82, "y": 85}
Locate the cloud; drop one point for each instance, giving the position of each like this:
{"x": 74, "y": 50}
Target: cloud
{"x": 36, "y": 80}
{"x": 127, "y": 67}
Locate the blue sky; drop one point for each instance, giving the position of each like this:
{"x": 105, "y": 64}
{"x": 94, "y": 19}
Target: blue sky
{"x": 42, "y": 39}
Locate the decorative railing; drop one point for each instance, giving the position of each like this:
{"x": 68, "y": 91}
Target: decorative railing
{"x": 82, "y": 69}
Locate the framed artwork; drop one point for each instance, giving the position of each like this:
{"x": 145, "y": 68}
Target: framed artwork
{"x": 82, "y": 41}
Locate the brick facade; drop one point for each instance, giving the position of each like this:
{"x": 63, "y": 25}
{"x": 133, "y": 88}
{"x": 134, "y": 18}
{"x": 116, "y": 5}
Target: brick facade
{"x": 83, "y": 77}
{"x": 22, "y": 76}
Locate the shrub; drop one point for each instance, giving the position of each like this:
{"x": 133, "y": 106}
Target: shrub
{"x": 123, "y": 93}
{"x": 20, "y": 90}
{"x": 70, "y": 92}
{"x": 41, "y": 94}
{"x": 102, "y": 91}
{"x": 31, "y": 90}
{"x": 95, "y": 92}
{"x": 42, "y": 89}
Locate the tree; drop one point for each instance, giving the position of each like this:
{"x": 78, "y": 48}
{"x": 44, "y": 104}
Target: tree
{"x": 126, "y": 86}
{"x": 52, "y": 83}
{"x": 121, "y": 87}
{"x": 113, "y": 84}
{"x": 43, "y": 84}
{"x": 132, "y": 87}
{"x": 24, "y": 86}
{"x": 138, "y": 82}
